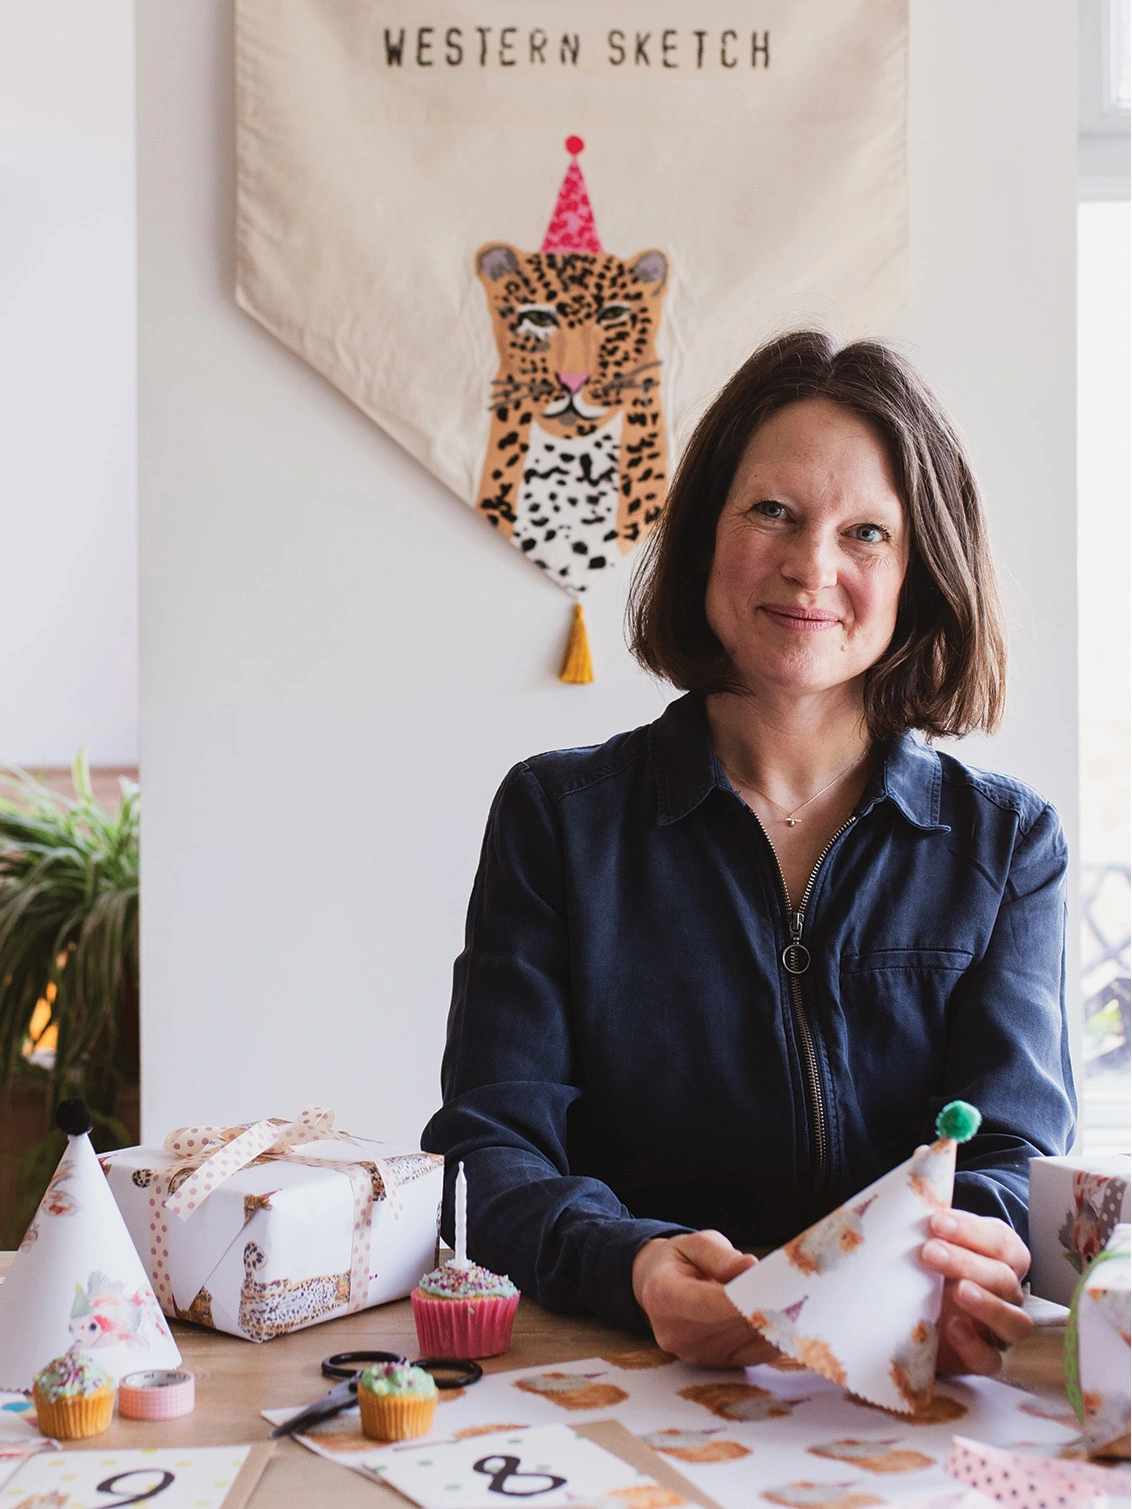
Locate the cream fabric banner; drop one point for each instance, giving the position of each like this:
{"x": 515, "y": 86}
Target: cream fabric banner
{"x": 529, "y": 251}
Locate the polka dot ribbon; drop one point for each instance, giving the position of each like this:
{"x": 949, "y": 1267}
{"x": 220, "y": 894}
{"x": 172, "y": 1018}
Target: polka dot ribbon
{"x": 215, "y": 1153}
{"x": 1026, "y": 1482}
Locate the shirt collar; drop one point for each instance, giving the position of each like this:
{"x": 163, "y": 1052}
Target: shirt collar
{"x": 911, "y": 778}
{"x": 687, "y": 770}
{"x": 682, "y": 758}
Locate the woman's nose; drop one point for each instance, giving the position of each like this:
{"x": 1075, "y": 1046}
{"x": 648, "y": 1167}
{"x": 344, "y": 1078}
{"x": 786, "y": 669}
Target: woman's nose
{"x": 810, "y": 560}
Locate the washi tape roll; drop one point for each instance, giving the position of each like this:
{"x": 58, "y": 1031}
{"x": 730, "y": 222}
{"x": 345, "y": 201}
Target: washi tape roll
{"x": 159, "y": 1394}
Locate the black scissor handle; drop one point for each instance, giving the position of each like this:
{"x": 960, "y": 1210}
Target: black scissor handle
{"x": 447, "y": 1372}
{"x": 351, "y": 1364}
{"x": 461, "y": 1372}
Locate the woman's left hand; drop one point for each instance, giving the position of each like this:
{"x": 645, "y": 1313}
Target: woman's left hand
{"x": 983, "y": 1262}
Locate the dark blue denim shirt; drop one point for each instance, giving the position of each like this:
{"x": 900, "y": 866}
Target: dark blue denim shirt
{"x": 628, "y": 1057}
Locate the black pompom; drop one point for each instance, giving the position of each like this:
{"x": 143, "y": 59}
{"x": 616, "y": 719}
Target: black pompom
{"x": 73, "y": 1117}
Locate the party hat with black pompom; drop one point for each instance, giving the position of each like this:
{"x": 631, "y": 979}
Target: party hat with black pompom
{"x": 77, "y": 1283}
{"x": 850, "y": 1297}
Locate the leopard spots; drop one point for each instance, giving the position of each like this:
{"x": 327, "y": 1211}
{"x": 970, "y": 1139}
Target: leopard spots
{"x": 275, "y": 1306}
{"x": 199, "y": 1312}
{"x": 576, "y": 463}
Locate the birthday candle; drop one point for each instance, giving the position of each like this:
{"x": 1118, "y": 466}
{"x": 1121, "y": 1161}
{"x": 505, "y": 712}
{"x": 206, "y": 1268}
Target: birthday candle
{"x": 461, "y": 1218}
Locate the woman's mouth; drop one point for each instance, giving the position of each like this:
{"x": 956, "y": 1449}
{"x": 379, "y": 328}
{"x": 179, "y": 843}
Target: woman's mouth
{"x": 800, "y": 620}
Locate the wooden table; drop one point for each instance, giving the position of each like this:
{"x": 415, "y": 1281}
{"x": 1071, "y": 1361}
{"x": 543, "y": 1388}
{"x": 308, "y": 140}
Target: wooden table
{"x": 236, "y": 1379}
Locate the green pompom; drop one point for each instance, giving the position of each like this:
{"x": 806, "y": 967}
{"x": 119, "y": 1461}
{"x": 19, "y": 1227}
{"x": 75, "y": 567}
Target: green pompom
{"x": 958, "y": 1120}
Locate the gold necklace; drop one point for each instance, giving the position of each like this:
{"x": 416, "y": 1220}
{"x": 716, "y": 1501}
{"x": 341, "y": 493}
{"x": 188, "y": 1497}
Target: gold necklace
{"x": 791, "y": 818}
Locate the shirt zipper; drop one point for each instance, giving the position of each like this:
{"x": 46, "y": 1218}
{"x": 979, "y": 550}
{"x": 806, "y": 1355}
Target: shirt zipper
{"x": 796, "y": 961}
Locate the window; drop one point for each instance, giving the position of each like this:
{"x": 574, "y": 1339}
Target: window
{"x": 1105, "y": 665}
{"x": 1104, "y": 93}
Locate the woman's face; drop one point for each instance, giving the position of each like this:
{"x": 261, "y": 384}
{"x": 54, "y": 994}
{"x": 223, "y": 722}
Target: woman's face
{"x": 810, "y": 552}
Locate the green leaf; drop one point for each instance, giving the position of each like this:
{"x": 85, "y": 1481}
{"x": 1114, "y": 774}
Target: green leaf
{"x": 68, "y": 919}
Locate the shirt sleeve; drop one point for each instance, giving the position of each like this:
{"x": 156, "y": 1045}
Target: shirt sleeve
{"x": 511, "y": 1075}
{"x": 1009, "y": 1040}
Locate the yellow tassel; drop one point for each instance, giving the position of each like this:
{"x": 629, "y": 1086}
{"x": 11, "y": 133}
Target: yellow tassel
{"x": 577, "y": 667}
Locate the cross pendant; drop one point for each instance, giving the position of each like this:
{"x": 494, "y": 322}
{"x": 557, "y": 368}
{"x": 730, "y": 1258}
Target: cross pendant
{"x": 791, "y": 822}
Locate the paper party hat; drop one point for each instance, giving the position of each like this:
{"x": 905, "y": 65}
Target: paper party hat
{"x": 572, "y": 227}
{"x": 850, "y": 1297}
{"x": 77, "y": 1283}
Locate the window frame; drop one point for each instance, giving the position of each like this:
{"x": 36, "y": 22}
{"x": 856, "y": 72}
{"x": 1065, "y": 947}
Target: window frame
{"x": 1103, "y": 156}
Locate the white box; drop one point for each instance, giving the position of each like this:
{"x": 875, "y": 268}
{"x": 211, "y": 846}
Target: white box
{"x": 270, "y": 1249}
{"x": 1097, "y": 1349}
{"x": 1075, "y": 1204}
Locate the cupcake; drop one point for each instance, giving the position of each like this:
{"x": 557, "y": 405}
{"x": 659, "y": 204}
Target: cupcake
{"x": 462, "y": 1310}
{"x": 73, "y": 1398}
{"x": 397, "y": 1401}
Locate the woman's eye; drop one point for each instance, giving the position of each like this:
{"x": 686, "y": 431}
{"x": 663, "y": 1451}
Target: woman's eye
{"x": 870, "y": 534}
{"x": 612, "y": 314}
{"x": 770, "y": 509}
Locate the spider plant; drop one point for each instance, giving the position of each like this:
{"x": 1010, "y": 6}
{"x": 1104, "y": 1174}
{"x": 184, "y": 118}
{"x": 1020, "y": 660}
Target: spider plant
{"x": 68, "y": 958}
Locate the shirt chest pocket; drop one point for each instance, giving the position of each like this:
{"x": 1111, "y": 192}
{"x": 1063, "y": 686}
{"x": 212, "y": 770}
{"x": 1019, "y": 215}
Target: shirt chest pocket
{"x": 906, "y": 960}
{"x": 894, "y": 1003}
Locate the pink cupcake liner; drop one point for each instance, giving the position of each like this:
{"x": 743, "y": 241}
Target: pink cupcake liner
{"x": 463, "y": 1327}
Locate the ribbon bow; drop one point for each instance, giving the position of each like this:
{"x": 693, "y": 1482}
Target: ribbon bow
{"x": 220, "y": 1152}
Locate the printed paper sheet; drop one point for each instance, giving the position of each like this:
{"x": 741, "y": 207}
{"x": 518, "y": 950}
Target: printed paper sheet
{"x": 790, "y": 1437}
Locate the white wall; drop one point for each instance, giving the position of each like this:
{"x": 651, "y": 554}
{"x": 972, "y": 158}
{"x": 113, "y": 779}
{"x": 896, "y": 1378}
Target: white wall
{"x": 340, "y": 661}
{"x": 68, "y": 383}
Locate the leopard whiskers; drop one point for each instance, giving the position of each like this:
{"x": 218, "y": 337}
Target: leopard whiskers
{"x": 512, "y": 390}
{"x": 622, "y": 382}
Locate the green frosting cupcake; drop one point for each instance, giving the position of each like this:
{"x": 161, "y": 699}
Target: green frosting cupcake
{"x": 473, "y": 1282}
{"x": 398, "y": 1380}
{"x": 70, "y": 1377}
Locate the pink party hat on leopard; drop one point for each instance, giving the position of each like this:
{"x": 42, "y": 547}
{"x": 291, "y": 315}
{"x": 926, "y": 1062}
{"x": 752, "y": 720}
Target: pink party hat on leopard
{"x": 77, "y": 1283}
{"x": 572, "y": 227}
{"x": 850, "y": 1297}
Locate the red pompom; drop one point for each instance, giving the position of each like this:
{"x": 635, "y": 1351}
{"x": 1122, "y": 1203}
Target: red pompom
{"x": 574, "y": 145}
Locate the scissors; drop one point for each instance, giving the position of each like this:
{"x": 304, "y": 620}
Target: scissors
{"x": 447, "y": 1372}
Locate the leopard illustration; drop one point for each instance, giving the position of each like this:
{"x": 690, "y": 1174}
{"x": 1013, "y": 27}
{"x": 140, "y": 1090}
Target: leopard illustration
{"x": 406, "y": 1168}
{"x": 275, "y": 1306}
{"x": 576, "y": 462}
{"x": 199, "y": 1312}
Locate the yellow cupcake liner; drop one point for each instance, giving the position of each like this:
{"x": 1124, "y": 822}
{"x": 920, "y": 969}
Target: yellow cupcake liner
{"x": 394, "y": 1417}
{"x": 75, "y": 1418}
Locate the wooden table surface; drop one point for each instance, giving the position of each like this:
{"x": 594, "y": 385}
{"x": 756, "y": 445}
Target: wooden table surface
{"x": 236, "y": 1379}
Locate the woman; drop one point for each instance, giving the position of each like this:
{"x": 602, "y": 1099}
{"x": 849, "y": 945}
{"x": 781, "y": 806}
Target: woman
{"x": 723, "y": 971}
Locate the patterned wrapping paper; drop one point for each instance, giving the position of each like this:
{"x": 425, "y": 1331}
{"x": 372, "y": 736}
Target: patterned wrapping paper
{"x": 1074, "y": 1205}
{"x": 850, "y": 1297}
{"x": 748, "y": 1438}
{"x": 310, "y": 1224}
{"x": 1097, "y": 1353}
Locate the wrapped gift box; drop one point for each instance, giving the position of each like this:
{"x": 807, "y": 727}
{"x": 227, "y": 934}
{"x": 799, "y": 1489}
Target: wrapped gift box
{"x": 1075, "y": 1203}
{"x": 262, "y": 1229}
{"x": 1097, "y": 1355}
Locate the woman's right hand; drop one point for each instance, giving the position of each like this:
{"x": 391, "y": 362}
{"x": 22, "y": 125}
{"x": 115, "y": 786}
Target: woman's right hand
{"x": 678, "y": 1283}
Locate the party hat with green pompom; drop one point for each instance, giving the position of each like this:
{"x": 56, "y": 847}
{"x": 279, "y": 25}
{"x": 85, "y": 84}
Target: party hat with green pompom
{"x": 850, "y": 1297}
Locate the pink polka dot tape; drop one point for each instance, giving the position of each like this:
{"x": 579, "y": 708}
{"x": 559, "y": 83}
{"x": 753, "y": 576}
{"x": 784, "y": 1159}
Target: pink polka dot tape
{"x": 1025, "y": 1482}
{"x": 158, "y": 1394}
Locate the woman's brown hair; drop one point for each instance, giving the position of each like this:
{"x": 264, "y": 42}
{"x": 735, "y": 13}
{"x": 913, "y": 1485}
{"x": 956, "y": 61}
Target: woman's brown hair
{"x": 944, "y": 671}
